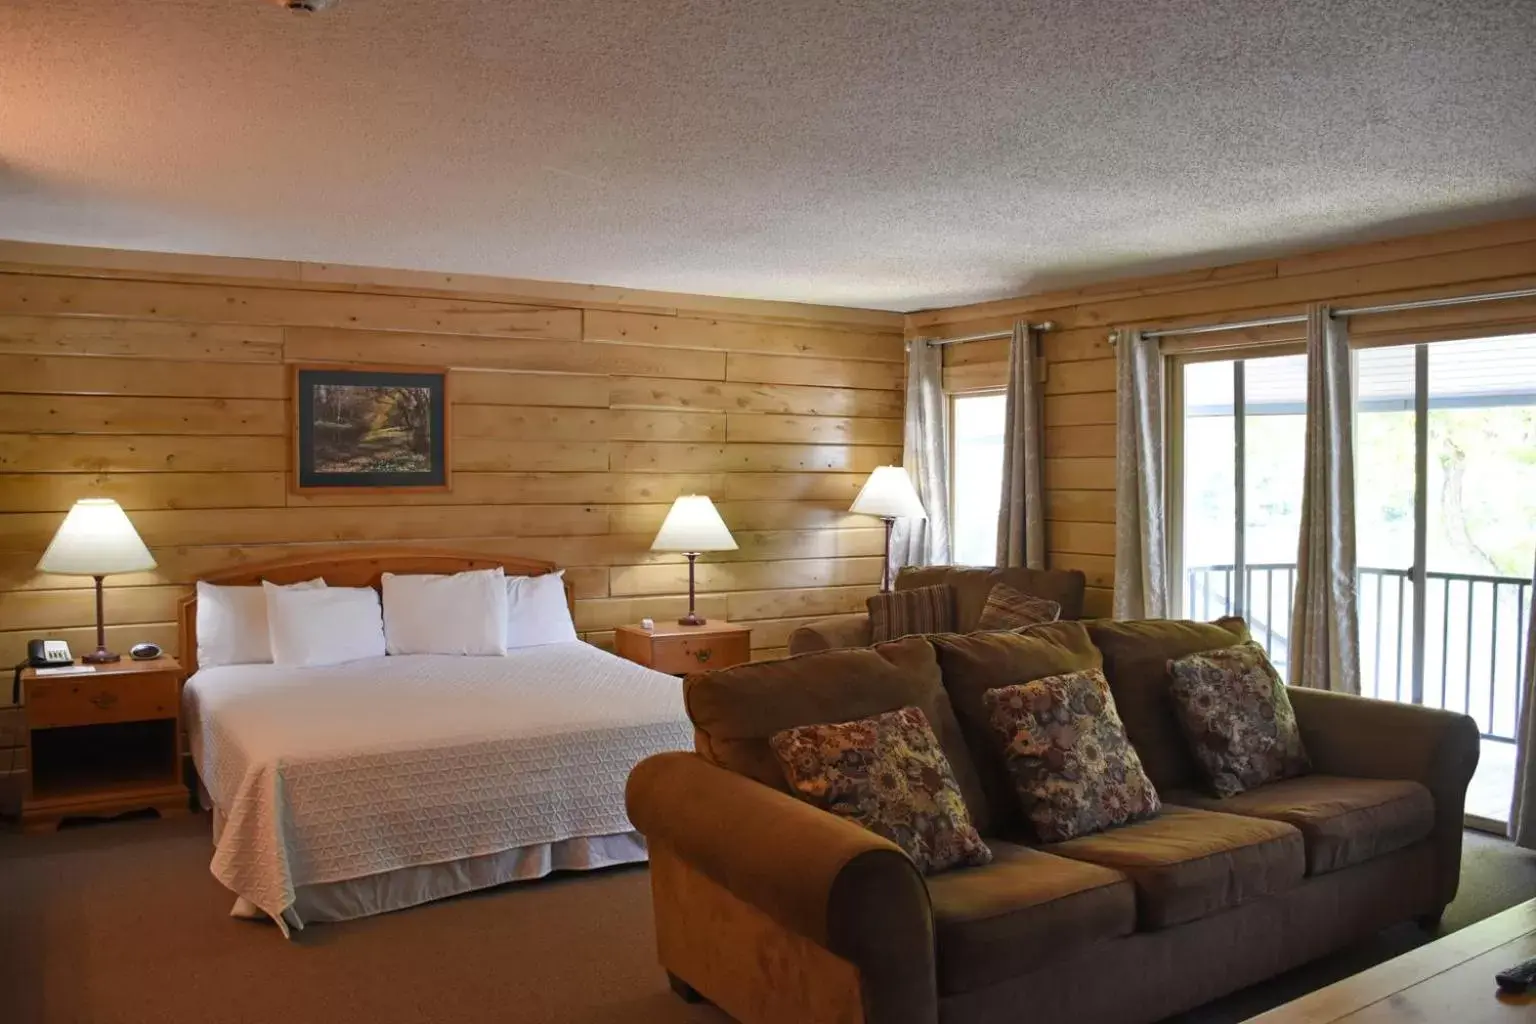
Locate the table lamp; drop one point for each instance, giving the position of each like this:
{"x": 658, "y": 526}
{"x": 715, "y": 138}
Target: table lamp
{"x": 96, "y": 539}
{"x": 692, "y": 525}
{"x": 889, "y": 494}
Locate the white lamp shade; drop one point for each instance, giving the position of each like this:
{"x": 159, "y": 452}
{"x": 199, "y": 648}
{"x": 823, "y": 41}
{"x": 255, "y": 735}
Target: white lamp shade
{"x": 96, "y": 539}
{"x": 889, "y": 492}
{"x": 692, "y": 524}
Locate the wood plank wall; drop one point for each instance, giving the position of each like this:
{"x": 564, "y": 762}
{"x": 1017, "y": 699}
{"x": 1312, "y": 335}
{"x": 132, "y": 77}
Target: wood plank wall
{"x": 579, "y": 413}
{"x": 1080, "y": 369}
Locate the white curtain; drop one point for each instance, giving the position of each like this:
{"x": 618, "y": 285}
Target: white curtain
{"x": 926, "y": 456}
{"x": 1325, "y": 634}
{"x": 1141, "y": 532}
{"x": 1522, "y": 812}
{"x": 1021, "y": 513}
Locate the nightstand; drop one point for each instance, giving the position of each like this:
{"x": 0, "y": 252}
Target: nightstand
{"x": 102, "y": 742}
{"x": 678, "y": 649}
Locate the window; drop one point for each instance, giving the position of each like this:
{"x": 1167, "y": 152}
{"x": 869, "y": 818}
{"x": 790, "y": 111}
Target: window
{"x": 1445, "y": 499}
{"x": 1242, "y": 428}
{"x": 976, "y": 476}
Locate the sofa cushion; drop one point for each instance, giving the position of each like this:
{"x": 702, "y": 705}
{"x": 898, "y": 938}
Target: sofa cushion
{"x": 1136, "y": 655}
{"x": 1073, "y": 769}
{"x": 1235, "y": 713}
{"x": 911, "y": 612}
{"x": 1007, "y": 608}
{"x": 975, "y": 663}
{"x": 1187, "y": 864}
{"x": 1023, "y": 910}
{"x": 1344, "y": 821}
{"x": 972, "y": 585}
{"x": 888, "y": 774}
{"x": 735, "y": 710}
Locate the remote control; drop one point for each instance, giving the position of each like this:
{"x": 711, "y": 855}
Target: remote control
{"x": 1518, "y": 978}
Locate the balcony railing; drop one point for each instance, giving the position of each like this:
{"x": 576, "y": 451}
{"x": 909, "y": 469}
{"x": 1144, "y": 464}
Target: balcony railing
{"x": 1474, "y": 633}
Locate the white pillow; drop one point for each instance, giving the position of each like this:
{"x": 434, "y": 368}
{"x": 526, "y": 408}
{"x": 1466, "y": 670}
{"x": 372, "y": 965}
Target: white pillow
{"x": 536, "y": 611}
{"x": 323, "y": 627}
{"x": 232, "y": 623}
{"x": 465, "y": 613}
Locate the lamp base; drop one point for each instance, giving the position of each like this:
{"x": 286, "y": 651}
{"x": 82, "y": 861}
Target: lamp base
{"x": 886, "y": 578}
{"x": 693, "y": 618}
{"x": 100, "y": 656}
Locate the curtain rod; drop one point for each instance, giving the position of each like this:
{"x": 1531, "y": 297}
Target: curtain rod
{"x": 1044, "y": 325}
{"x": 1395, "y": 307}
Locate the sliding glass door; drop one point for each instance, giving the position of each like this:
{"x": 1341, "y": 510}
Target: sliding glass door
{"x": 1446, "y": 527}
{"x": 1445, "y": 485}
{"x": 1241, "y": 429}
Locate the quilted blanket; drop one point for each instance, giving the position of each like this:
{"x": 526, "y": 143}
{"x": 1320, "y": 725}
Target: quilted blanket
{"x": 329, "y": 774}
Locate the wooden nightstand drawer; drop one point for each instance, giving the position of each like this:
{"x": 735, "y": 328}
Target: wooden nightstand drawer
{"x": 680, "y": 654}
{"x": 678, "y": 650}
{"x": 100, "y": 700}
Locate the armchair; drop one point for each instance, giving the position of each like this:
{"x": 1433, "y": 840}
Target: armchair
{"x": 972, "y": 585}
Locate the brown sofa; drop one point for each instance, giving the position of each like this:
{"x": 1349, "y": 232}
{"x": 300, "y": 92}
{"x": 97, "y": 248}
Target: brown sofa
{"x": 972, "y": 585}
{"x": 779, "y": 912}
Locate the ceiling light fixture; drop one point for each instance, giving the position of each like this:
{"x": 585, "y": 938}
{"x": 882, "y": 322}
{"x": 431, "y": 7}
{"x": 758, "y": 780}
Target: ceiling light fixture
{"x": 306, "y": 6}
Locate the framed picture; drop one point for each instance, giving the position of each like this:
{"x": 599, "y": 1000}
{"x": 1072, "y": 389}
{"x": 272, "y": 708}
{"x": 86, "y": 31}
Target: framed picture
{"x": 376, "y": 427}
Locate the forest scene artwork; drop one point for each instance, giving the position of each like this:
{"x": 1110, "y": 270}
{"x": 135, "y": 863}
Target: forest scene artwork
{"x": 370, "y": 428}
{"x": 363, "y": 429}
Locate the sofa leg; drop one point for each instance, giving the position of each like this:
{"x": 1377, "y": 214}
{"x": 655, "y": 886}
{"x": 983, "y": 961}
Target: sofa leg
{"x": 685, "y": 991}
{"x": 1430, "y": 922}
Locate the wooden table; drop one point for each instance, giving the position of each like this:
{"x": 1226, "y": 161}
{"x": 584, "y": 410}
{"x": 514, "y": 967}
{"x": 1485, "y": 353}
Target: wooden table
{"x": 1450, "y": 980}
{"x": 678, "y": 649}
{"x": 102, "y": 742}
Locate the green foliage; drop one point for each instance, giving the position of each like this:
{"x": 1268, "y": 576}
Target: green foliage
{"x": 1481, "y": 489}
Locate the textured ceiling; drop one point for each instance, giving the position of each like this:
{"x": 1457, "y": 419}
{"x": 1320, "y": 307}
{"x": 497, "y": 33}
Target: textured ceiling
{"x": 889, "y": 153}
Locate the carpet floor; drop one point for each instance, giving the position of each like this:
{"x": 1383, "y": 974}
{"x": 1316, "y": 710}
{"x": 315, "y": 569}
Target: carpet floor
{"x": 122, "y": 924}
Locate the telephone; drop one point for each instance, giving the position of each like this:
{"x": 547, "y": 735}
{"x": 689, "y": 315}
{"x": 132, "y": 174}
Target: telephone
{"x": 48, "y": 653}
{"x": 41, "y": 654}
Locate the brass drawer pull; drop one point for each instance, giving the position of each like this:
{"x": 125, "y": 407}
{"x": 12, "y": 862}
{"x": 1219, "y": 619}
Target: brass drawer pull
{"x": 702, "y": 655}
{"x": 104, "y": 700}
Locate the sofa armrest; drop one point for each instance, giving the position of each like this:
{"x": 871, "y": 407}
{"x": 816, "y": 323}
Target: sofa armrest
{"x": 831, "y": 634}
{"x": 821, "y": 876}
{"x": 1380, "y": 739}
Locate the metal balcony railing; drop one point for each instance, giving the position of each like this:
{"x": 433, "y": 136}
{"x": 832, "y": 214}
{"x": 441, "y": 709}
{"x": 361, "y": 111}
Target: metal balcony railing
{"x": 1474, "y": 633}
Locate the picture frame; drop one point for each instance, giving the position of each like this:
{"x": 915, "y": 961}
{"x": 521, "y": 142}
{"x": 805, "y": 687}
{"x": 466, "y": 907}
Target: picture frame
{"x": 370, "y": 428}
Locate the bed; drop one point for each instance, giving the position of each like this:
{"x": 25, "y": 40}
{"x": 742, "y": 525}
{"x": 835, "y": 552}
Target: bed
{"x": 355, "y": 789}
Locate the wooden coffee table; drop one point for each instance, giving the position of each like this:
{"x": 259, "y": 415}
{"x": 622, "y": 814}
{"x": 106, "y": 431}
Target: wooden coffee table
{"x": 1450, "y": 979}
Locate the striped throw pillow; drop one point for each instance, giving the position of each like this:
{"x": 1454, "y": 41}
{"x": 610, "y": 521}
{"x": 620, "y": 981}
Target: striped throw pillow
{"x": 1010, "y": 608}
{"x": 906, "y": 612}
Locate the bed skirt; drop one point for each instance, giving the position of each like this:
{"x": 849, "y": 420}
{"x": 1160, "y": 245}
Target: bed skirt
{"x": 413, "y": 886}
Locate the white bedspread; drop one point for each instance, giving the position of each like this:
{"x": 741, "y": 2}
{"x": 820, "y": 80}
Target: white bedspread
{"x": 328, "y": 774}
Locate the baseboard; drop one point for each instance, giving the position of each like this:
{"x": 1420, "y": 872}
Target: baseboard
{"x": 1478, "y": 823}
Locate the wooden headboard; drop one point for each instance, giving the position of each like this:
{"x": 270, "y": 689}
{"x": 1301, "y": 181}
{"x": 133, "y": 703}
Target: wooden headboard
{"x": 349, "y": 567}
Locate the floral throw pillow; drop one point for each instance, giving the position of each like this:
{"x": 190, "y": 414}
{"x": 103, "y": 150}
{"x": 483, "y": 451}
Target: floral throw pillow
{"x": 1010, "y": 608}
{"x": 1073, "y": 767}
{"x": 1234, "y": 711}
{"x": 888, "y": 774}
